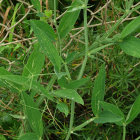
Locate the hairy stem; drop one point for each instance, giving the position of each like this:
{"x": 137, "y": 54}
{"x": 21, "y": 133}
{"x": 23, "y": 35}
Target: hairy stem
{"x": 81, "y": 70}
{"x": 124, "y": 131}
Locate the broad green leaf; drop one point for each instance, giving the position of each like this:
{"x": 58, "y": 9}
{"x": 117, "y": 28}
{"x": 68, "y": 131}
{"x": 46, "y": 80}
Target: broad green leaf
{"x": 113, "y": 109}
{"x": 131, "y": 46}
{"x": 107, "y": 117}
{"x": 23, "y": 83}
{"x": 42, "y": 30}
{"x": 68, "y": 94}
{"x": 33, "y": 115}
{"x": 36, "y": 4}
{"x": 43, "y": 27}
{"x": 34, "y": 65}
{"x": 62, "y": 107}
{"x": 132, "y": 27}
{"x": 7, "y": 84}
{"x": 68, "y": 20}
{"x": 134, "y": 111}
{"x": 72, "y": 84}
{"x": 98, "y": 91}
{"x": 29, "y": 136}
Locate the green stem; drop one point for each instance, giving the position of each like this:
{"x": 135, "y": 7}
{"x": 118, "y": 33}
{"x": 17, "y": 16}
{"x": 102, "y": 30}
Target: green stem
{"x": 71, "y": 120}
{"x": 67, "y": 71}
{"x": 81, "y": 70}
{"x": 86, "y": 42}
{"x": 124, "y": 131}
{"x": 99, "y": 48}
{"x": 83, "y": 124}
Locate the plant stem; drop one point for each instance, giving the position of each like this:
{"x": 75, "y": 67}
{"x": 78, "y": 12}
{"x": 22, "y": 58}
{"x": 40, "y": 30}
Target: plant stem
{"x": 81, "y": 70}
{"x": 86, "y": 42}
{"x": 124, "y": 131}
{"x": 79, "y": 127}
{"x": 99, "y": 48}
{"x": 71, "y": 120}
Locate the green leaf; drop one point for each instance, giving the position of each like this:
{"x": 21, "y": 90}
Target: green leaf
{"x": 34, "y": 65}
{"x": 4, "y": 72}
{"x": 62, "y": 107}
{"x": 29, "y": 136}
{"x": 42, "y": 30}
{"x": 36, "y": 4}
{"x": 132, "y": 27}
{"x": 107, "y": 117}
{"x": 2, "y": 137}
{"x": 114, "y": 110}
{"x": 131, "y": 46}
{"x": 70, "y": 57}
{"x": 23, "y": 83}
{"x": 69, "y": 94}
{"x": 33, "y": 115}
{"x": 72, "y": 84}
{"x": 134, "y": 111}
{"x": 43, "y": 27}
{"x": 98, "y": 90}
{"x": 68, "y": 20}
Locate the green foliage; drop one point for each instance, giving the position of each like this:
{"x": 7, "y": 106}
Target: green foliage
{"x": 43, "y": 33}
{"x": 31, "y": 70}
{"x": 36, "y": 4}
{"x": 131, "y": 46}
{"x": 134, "y": 111}
{"x": 68, "y": 94}
{"x": 114, "y": 110}
{"x": 107, "y": 117}
{"x": 23, "y": 83}
{"x": 131, "y": 28}
{"x": 44, "y": 76}
{"x": 51, "y": 4}
{"x": 29, "y": 136}
{"x": 62, "y": 107}
{"x": 33, "y": 115}
{"x": 68, "y": 20}
{"x": 98, "y": 91}
{"x": 72, "y": 84}
{"x": 2, "y": 137}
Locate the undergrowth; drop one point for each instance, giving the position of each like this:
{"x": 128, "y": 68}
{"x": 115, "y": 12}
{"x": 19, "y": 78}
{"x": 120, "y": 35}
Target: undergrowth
{"x": 69, "y": 70}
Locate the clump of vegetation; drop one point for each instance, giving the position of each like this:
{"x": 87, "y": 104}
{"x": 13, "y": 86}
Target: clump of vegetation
{"x": 69, "y": 70}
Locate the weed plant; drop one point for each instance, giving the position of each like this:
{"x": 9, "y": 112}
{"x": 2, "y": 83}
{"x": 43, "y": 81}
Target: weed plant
{"x": 69, "y": 70}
